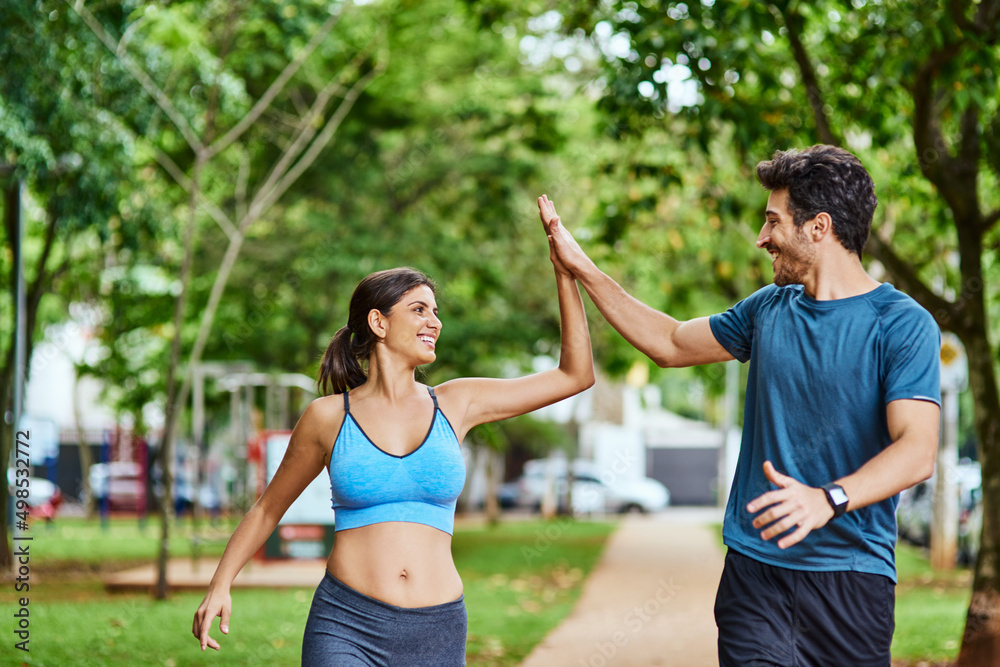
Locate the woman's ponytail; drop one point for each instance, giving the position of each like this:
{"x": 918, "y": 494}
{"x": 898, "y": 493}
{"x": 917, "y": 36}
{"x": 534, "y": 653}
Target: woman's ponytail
{"x": 340, "y": 369}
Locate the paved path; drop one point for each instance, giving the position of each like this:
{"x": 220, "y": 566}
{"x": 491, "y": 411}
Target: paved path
{"x": 183, "y": 574}
{"x": 648, "y": 601}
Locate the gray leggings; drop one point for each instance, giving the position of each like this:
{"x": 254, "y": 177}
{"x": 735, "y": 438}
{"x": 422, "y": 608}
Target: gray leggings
{"x": 349, "y": 629}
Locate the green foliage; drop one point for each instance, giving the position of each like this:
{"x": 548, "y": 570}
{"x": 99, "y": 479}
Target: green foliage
{"x": 524, "y": 433}
{"x": 437, "y": 168}
{"x": 761, "y": 72}
{"x": 58, "y": 135}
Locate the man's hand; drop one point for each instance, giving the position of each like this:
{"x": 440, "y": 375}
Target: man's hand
{"x": 566, "y": 254}
{"x": 791, "y": 504}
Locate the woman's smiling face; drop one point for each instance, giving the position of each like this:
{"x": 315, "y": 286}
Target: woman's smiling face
{"x": 413, "y": 326}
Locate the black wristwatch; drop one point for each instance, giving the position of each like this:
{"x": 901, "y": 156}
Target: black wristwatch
{"x": 837, "y": 497}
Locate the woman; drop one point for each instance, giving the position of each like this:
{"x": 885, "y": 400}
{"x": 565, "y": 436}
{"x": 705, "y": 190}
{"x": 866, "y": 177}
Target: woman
{"x": 391, "y": 594}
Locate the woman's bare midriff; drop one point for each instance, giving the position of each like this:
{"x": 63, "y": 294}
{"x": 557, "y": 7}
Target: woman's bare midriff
{"x": 402, "y": 564}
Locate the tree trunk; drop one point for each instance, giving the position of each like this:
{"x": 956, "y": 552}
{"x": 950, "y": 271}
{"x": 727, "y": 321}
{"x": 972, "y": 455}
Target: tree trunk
{"x": 11, "y": 202}
{"x": 173, "y": 407}
{"x": 85, "y": 460}
{"x": 492, "y": 474}
{"x": 6, "y": 437}
{"x": 981, "y": 640}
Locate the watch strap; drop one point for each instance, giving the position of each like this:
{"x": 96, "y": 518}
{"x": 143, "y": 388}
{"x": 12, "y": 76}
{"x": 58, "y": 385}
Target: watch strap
{"x": 837, "y": 497}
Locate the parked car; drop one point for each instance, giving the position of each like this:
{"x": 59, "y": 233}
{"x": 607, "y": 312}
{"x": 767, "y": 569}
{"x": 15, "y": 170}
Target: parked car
{"x": 970, "y": 527}
{"x": 640, "y": 495}
{"x": 508, "y": 493}
{"x": 592, "y": 492}
{"x": 44, "y": 497}
{"x": 915, "y": 511}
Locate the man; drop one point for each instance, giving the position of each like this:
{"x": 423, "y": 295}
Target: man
{"x": 841, "y": 414}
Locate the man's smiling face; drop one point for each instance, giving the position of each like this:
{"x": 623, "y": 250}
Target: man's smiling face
{"x": 791, "y": 250}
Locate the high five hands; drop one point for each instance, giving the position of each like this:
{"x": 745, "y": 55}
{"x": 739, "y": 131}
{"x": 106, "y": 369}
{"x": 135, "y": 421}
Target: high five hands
{"x": 791, "y": 505}
{"x": 565, "y": 253}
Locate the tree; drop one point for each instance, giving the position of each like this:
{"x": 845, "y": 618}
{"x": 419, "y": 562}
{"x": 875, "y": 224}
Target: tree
{"x": 209, "y": 50}
{"x": 438, "y": 173}
{"x": 910, "y": 88}
{"x": 58, "y": 134}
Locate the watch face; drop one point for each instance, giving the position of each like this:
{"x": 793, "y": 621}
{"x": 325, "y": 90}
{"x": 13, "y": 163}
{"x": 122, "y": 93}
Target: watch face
{"x": 838, "y": 495}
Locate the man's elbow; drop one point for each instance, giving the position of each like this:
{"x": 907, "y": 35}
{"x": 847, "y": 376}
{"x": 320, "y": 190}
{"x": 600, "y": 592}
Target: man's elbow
{"x": 664, "y": 358}
{"x": 925, "y": 466}
{"x": 670, "y": 355}
{"x": 927, "y": 469}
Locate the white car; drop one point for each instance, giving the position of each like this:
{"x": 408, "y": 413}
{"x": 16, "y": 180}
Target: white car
{"x": 592, "y": 492}
{"x": 915, "y": 510}
{"x": 44, "y": 497}
{"x": 637, "y": 495}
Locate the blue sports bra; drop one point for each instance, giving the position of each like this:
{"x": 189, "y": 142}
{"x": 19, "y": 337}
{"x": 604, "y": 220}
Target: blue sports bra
{"x": 369, "y": 485}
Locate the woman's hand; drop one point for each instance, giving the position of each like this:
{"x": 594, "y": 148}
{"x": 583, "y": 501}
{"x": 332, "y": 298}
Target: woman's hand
{"x": 214, "y": 604}
{"x": 566, "y": 254}
{"x": 547, "y": 212}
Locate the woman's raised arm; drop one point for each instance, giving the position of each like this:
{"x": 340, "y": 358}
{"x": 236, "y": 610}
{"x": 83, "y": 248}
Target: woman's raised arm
{"x": 476, "y": 401}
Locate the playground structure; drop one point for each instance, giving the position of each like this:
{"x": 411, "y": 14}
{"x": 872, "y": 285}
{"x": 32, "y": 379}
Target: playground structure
{"x": 242, "y": 383}
{"x": 216, "y": 475}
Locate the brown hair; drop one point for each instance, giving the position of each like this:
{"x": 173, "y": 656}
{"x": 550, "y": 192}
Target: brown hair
{"x": 341, "y": 368}
{"x": 825, "y": 178}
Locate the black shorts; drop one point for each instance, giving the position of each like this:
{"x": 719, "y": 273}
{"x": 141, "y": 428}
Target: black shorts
{"x": 775, "y": 617}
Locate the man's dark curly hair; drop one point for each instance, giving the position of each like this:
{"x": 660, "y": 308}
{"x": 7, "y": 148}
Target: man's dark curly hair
{"x": 827, "y": 179}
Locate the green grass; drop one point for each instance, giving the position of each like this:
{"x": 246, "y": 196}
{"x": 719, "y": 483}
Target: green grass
{"x": 521, "y": 579}
{"x": 930, "y": 608}
{"x": 76, "y": 543}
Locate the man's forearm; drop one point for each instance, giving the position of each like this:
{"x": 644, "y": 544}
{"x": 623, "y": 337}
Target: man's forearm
{"x": 645, "y": 328}
{"x": 899, "y": 466}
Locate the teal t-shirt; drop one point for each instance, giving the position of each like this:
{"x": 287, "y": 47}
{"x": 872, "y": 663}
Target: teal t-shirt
{"x": 821, "y": 376}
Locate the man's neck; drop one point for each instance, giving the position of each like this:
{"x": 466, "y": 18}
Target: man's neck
{"x": 838, "y": 276}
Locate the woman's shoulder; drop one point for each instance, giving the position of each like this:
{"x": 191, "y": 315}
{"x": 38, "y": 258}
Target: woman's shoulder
{"x": 452, "y": 389}
{"x": 325, "y": 411}
{"x": 453, "y": 396}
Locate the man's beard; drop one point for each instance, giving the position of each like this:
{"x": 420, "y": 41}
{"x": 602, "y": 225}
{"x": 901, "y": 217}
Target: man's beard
{"x": 794, "y": 260}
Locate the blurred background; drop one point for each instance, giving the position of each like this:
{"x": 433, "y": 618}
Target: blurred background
{"x": 193, "y": 189}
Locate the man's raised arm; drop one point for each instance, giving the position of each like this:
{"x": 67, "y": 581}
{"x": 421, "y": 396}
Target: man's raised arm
{"x": 668, "y": 342}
